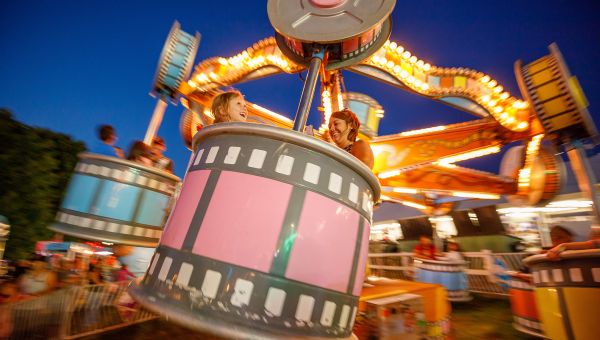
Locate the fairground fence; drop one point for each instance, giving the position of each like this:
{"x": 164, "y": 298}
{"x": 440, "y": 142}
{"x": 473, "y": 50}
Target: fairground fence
{"x": 72, "y": 313}
{"x": 486, "y": 271}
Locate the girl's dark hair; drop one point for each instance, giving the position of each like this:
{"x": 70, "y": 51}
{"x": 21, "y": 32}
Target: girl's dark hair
{"x": 139, "y": 149}
{"x": 350, "y": 118}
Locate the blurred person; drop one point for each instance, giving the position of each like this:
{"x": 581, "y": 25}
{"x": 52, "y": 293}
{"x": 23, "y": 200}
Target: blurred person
{"x": 592, "y": 243}
{"x": 425, "y": 249}
{"x": 140, "y": 153}
{"x": 453, "y": 253}
{"x": 67, "y": 275}
{"x": 106, "y": 146}
{"x": 229, "y": 106}
{"x": 38, "y": 280}
{"x": 123, "y": 274}
{"x": 343, "y": 131}
{"x": 560, "y": 235}
{"x": 95, "y": 275}
{"x": 160, "y": 161}
{"x": 9, "y": 293}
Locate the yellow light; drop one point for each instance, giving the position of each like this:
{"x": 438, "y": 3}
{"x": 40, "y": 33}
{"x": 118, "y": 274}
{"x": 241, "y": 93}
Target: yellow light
{"x": 403, "y": 74}
{"x": 522, "y": 125}
{"x": 393, "y": 45}
{"x": 397, "y": 69}
{"x": 410, "y": 79}
{"x": 271, "y": 113}
{"x": 387, "y": 43}
{"x": 492, "y": 103}
{"x": 399, "y": 50}
{"x": 388, "y": 174}
{"x": 504, "y": 115}
{"x": 504, "y": 96}
{"x": 475, "y": 195}
{"x": 406, "y": 55}
{"x": 485, "y": 79}
{"x": 426, "y": 67}
{"x": 209, "y": 113}
{"x": 382, "y": 61}
{"x": 498, "y": 109}
{"x": 405, "y": 190}
{"x": 485, "y": 98}
{"x": 413, "y": 59}
{"x": 420, "y": 63}
{"x": 469, "y": 155}
{"x": 414, "y": 205}
{"x": 510, "y": 120}
{"x": 519, "y": 104}
{"x": 445, "y": 165}
{"x": 417, "y": 83}
{"x": 498, "y": 89}
{"x": 375, "y": 59}
{"x": 192, "y": 83}
{"x": 425, "y": 87}
{"x": 492, "y": 83}
{"x": 423, "y": 131}
{"x": 213, "y": 75}
{"x": 390, "y": 64}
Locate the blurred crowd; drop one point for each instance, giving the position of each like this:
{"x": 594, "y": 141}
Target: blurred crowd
{"x": 139, "y": 152}
{"x": 41, "y": 275}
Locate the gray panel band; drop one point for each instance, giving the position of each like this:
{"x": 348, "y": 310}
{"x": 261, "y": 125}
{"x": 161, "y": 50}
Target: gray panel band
{"x": 201, "y": 209}
{"x": 288, "y": 232}
{"x": 288, "y": 163}
{"x": 357, "y": 247}
{"x": 194, "y": 298}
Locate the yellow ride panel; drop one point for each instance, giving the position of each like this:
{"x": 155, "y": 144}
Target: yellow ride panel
{"x": 582, "y": 306}
{"x": 556, "y": 106}
{"x": 548, "y": 91}
{"x": 549, "y": 310}
{"x": 539, "y": 65}
{"x": 561, "y": 122}
{"x": 542, "y": 77}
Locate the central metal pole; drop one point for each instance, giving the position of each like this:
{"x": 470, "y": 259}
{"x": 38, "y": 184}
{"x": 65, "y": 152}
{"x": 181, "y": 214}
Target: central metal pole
{"x": 308, "y": 91}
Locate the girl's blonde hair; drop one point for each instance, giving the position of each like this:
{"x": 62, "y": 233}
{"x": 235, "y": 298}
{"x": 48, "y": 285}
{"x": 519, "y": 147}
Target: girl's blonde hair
{"x": 219, "y": 105}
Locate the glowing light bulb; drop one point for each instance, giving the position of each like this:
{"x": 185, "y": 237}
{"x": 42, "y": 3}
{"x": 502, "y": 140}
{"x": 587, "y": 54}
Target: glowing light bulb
{"x": 498, "y": 89}
{"x": 393, "y": 45}
{"x": 485, "y": 98}
{"x": 504, "y": 95}
{"x": 492, "y": 83}
{"x": 485, "y": 79}
{"x": 399, "y": 49}
{"x": 426, "y": 67}
{"x": 413, "y": 59}
{"x": 406, "y": 55}
{"x": 522, "y": 125}
{"x": 420, "y": 63}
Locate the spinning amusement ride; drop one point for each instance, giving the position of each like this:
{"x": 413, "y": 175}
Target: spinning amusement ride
{"x": 290, "y": 261}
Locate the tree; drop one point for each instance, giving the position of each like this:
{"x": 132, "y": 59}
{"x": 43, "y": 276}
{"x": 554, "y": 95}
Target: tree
{"x": 36, "y": 168}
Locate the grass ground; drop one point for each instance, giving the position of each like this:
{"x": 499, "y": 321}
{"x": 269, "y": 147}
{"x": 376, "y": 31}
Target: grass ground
{"x": 488, "y": 318}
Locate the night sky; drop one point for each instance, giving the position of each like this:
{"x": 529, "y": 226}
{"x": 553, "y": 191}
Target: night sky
{"x": 71, "y": 65}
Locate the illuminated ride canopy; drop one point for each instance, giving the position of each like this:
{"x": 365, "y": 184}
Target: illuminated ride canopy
{"x": 418, "y": 168}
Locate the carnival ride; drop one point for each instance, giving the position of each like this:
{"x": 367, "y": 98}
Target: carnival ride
{"x": 267, "y": 270}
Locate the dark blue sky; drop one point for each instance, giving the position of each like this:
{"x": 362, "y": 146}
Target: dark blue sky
{"x": 71, "y": 65}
